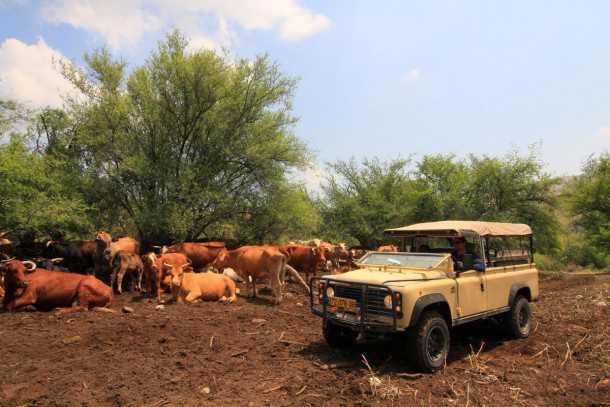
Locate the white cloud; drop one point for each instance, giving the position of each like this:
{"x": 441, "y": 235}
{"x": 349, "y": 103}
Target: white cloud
{"x": 29, "y": 73}
{"x": 124, "y": 23}
{"x": 604, "y": 131}
{"x": 410, "y": 76}
{"x": 120, "y": 23}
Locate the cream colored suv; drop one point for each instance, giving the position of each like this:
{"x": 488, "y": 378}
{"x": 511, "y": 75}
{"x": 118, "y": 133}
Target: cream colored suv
{"x": 429, "y": 287}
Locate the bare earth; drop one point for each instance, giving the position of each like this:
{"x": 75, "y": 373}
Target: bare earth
{"x": 251, "y": 353}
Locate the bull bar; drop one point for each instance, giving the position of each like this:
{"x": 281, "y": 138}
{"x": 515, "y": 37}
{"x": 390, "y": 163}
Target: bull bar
{"x": 362, "y": 318}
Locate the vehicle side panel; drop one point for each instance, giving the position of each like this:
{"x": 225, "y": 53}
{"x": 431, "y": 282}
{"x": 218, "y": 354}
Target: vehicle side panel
{"x": 412, "y": 292}
{"x": 500, "y": 280}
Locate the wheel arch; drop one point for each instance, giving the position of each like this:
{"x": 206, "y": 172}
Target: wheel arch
{"x": 431, "y": 302}
{"x": 519, "y": 289}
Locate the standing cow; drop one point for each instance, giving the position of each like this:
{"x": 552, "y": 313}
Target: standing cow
{"x": 78, "y": 255}
{"x": 47, "y": 290}
{"x": 306, "y": 259}
{"x": 200, "y": 254}
{"x": 258, "y": 262}
{"x": 122, "y": 263}
{"x": 157, "y": 269}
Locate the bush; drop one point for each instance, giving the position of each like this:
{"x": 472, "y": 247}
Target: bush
{"x": 586, "y": 255}
{"x": 548, "y": 262}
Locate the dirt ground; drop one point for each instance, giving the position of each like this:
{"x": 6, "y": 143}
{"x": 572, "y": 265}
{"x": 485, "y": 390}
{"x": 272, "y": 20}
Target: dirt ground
{"x": 251, "y": 353}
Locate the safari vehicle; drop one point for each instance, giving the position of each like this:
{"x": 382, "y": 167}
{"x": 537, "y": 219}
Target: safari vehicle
{"x": 418, "y": 294}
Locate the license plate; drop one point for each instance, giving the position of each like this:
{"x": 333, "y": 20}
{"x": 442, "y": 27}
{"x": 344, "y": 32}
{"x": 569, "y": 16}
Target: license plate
{"x": 344, "y": 303}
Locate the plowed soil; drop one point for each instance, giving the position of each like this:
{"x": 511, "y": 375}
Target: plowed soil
{"x": 252, "y": 353}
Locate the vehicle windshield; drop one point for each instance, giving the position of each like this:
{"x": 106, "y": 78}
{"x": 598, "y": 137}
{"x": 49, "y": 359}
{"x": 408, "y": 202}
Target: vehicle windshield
{"x": 403, "y": 259}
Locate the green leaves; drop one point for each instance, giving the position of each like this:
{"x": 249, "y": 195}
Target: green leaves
{"x": 363, "y": 200}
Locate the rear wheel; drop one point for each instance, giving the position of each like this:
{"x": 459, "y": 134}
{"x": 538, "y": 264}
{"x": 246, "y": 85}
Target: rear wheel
{"x": 337, "y": 336}
{"x": 429, "y": 342}
{"x": 519, "y": 318}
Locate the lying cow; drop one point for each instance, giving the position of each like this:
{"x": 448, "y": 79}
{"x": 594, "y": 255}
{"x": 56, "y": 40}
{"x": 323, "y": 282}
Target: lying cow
{"x": 46, "y": 290}
{"x": 193, "y": 287}
{"x": 258, "y": 262}
{"x": 122, "y": 263}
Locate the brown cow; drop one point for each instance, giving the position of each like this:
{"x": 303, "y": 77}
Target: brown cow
{"x": 102, "y": 241}
{"x": 159, "y": 269}
{"x": 200, "y": 254}
{"x": 306, "y": 259}
{"x": 194, "y": 287}
{"x": 258, "y": 262}
{"x": 387, "y": 248}
{"x": 122, "y": 263}
{"x": 46, "y": 290}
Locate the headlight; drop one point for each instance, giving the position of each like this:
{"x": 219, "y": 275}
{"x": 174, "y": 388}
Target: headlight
{"x": 387, "y": 301}
{"x": 330, "y": 293}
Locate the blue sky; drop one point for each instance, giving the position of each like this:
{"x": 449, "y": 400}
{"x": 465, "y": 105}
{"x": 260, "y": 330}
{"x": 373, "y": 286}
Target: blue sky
{"x": 378, "y": 78}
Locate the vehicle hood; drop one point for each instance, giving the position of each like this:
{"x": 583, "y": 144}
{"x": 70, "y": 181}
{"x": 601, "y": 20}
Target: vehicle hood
{"x": 374, "y": 276}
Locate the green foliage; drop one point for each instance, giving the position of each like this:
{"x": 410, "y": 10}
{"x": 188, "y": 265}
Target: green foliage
{"x": 590, "y": 203}
{"x": 548, "y": 263}
{"x": 362, "y": 201}
{"x": 184, "y": 143}
{"x": 33, "y": 200}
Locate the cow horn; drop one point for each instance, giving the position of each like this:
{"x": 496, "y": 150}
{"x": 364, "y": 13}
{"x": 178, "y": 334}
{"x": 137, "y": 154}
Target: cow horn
{"x": 167, "y": 264}
{"x": 57, "y": 260}
{"x": 7, "y": 260}
{"x": 31, "y": 263}
{"x": 49, "y": 243}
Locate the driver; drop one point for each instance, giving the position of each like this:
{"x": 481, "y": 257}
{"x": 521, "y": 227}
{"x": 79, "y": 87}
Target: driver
{"x": 459, "y": 250}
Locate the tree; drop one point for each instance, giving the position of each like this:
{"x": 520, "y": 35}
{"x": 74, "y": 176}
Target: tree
{"x": 590, "y": 204}
{"x": 361, "y": 201}
{"x": 185, "y": 142}
{"x": 32, "y": 200}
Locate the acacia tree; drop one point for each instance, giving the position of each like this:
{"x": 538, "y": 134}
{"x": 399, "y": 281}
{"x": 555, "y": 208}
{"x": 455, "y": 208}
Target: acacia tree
{"x": 184, "y": 142}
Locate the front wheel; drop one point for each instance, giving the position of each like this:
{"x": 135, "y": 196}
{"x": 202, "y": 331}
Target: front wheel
{"x": 337, "y": 336}
{"x": 429, "y": 342}
{"x": 519, "y": 319}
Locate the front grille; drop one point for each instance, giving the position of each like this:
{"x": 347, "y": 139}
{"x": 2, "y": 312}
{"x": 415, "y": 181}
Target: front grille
{"x": 372, "y": 297}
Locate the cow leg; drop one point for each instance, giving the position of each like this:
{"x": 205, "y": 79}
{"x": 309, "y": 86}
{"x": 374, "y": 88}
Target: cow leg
{"x": 253, "y": 288}
{"x": 113, "y": 275}
{"x": 140, "y": 274}
{"x": 120, "y": 275}
{"x": 158, "y": 286}
{"x": 71, "y": 310}
{"x": 23, "y": 300}
{"x": 192, "y": 297}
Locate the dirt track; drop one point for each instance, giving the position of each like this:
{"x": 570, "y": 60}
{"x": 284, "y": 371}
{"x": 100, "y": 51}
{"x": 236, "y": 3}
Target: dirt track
{"x": 225, "y": 355}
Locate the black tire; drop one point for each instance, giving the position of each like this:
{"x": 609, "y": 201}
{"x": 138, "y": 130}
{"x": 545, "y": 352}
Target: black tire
{"x": 337, "y": 336}
{"x": 518, "y": 320}
{"x": 429, "y": 342}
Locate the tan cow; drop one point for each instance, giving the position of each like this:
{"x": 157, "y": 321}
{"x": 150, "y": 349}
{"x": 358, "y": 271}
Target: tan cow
{"x": 255, "y": 263}
{"x": 193, "y": 287}
{"x": 125, "y": 244}
{"x": 122, "y": 263}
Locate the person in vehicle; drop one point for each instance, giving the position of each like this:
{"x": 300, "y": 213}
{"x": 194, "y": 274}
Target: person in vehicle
{"x": 460, "y": 256}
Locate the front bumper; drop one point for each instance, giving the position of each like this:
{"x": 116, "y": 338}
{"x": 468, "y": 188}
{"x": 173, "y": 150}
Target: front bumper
{"x": 368, "y": 317}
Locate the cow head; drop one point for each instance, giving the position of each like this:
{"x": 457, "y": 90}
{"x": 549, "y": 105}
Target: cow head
{"x": 14, "y": 272}
{"x": 103, "y": 236}
{"x": 176, "y": 272}
{"x": 319, "y": 256}
{"x": 220, "y": 262}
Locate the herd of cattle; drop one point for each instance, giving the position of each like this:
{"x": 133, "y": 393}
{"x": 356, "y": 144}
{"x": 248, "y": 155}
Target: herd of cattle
{"x": 80, "y": 275}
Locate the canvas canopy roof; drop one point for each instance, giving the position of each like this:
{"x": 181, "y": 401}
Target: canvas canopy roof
{"x": 462, "y": 227}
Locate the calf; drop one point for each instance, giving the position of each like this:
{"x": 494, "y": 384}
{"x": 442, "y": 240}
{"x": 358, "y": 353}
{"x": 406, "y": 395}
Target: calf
{"x": 122, "y": 263}
{"x": 46, "y": 290}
